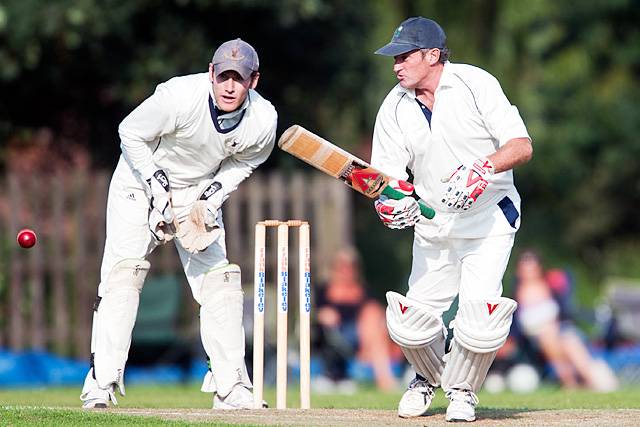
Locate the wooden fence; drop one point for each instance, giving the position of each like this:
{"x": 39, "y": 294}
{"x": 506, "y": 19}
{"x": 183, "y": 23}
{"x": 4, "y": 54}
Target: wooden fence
{"x": 47, "y": 292}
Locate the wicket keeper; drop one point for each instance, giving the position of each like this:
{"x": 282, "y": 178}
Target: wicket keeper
{"x": 184, "y": 150}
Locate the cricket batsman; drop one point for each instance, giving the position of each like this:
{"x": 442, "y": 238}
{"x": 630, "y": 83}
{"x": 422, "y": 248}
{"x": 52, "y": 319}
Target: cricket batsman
{"x": 453, "y": 127}
{"x": 185, "y": 149}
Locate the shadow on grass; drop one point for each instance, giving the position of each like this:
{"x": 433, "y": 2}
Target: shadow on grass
{"x": 489, "y": 413}
{"x": 502, "y": 414}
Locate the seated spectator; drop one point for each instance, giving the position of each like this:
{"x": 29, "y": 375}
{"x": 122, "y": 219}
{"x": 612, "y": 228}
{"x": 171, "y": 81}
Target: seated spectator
{"x": 352, "y": 325}
{"x": 546, "y": 321}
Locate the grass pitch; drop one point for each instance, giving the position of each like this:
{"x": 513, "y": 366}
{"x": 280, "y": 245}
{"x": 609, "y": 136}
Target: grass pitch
{"x": 183, "y": 405}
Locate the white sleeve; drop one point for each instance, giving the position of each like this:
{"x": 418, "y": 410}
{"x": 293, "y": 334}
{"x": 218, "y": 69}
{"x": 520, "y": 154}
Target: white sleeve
{"x": 500, "y": 117}
{"x": 141, "y": 130}
{"x": 388, "y": 152}
{"x": 238, "y": 167}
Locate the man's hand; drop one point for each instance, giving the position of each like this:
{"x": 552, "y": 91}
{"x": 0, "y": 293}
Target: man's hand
{"x": 161, "y": 216}
{"x": 162, "y": 231}
{"x": 402, "y": 213}
{"x": 466, "y": 184}
{"x": 201, "y": 229}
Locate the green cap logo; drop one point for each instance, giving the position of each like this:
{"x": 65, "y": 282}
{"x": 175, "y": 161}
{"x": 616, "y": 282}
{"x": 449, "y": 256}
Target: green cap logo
{"x": 396, "y": 33}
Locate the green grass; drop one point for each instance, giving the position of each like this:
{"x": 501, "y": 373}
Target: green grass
{"x": 44, "y": 407}
{"x": 29, "y": 416}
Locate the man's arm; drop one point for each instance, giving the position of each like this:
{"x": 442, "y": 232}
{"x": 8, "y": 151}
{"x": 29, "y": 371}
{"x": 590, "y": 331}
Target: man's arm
{"x": 505, "y": 124}
{"x": 514, "y": 153}
{"x": 154, "y": 117}
{"x": 139, "y": 131}
{"x": 388, "y": 153}
{"x": 514, "y": 147}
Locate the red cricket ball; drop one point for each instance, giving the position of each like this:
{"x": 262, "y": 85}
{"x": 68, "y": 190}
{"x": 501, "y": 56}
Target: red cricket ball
{"x": 26, "y": 238}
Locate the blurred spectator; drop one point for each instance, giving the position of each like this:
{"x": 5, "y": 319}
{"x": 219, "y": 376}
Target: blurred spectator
{"x": 544, "y": 317}
{"x": 351, "y": 325}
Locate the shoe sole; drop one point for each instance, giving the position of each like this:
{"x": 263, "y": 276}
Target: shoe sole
{"x": 97, "y": 406}
{"x": 460, "y": 420}
{"x": 226, "y": 407}
{"x": 405, "y": 415}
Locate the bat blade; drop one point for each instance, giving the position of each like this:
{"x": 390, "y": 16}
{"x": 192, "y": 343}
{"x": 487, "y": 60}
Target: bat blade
{"x": 334, "y": 161}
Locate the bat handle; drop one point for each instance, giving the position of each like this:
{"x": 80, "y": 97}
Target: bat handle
{"x": 425, "y": 210}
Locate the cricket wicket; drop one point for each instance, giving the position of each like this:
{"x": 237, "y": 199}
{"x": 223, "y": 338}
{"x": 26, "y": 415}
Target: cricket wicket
{"x": 259, "y": 299}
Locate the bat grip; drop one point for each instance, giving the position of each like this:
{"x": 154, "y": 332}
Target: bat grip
{"x": 425, "y": 210}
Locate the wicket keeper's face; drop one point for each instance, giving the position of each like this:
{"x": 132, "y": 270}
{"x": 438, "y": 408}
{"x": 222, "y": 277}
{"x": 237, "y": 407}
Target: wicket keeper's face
{"x": 413, "y": 67}
{"x": 230, "y": 89}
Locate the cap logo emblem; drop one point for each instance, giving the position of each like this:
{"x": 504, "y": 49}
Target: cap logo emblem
{"x": 396, "y": 33}
{"x": 235, "y": 55}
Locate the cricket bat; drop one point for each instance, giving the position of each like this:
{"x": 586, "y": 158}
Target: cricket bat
{"x": 334, "y": 161}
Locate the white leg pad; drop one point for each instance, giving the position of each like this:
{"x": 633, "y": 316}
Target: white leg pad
{"x": 465, "y": 369}
{"x": 221, "y": 329}
{"x": 419, "y": 333}
{"x": 480, "y": 328}
{"x": 113, "y": 321}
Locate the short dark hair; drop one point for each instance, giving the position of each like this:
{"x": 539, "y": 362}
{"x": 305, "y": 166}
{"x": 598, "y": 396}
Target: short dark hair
{"x": 444, "y": 54}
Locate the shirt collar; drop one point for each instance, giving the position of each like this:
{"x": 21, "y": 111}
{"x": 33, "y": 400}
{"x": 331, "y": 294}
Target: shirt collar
{"x": 445, "y": 81}
{"x": 234, "y": 113}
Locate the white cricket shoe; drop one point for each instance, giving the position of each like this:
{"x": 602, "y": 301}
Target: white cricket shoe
{"x": 98, "y": 398}
{"x": 416, "y": 400}
{"x": 94, "y": 397}
{"x": 239, "y": 398}
{"x": 462, "y": 405}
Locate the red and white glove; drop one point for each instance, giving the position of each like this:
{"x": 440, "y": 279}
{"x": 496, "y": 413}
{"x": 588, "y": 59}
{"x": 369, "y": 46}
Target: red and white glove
{"x": 467, "y": 183}
{"x": 398, "y": 214}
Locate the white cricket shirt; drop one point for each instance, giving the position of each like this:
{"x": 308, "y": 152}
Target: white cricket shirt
{"x": 175, "y": 130}
{"x": 471, "y": 118}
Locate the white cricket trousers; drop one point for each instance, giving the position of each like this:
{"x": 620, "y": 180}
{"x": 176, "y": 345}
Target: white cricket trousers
{"x": 445, "y": 267}
{"x": 128, "y": 235}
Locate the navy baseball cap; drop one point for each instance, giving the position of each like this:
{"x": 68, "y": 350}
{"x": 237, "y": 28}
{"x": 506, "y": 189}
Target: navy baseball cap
{"x": 414, "y": 33}
{"x": 236, "y": 55}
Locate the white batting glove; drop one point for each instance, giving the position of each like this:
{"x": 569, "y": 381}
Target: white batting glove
{"x": 162, "y": 231}
{"x": 161, "y": 216}
{"x": 466, "y": 184}
{"x": 212, "y": 198}
{"x": 200, "y": 229}
{"x": 398, "y": 214}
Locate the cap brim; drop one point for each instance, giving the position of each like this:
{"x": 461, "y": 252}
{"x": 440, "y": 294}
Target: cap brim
{"x": 395, "y": 49}
{"x": 245, "y": 72}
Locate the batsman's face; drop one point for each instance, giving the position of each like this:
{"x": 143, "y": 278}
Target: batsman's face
{"x": 411, "y": 68}
{"x": 230, "y": 89}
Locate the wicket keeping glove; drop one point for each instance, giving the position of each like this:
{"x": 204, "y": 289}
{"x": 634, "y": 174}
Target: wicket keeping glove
{"x": 402, "y": 213}
{"x": 161, "y": 216}
{"x": 466, "y": 184}
{"x": 200, "y": 229}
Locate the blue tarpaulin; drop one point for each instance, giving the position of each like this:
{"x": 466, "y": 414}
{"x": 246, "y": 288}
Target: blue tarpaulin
{"x": 39, "y": 368}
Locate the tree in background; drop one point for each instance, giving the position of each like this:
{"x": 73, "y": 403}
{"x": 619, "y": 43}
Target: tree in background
{"x": 76, "y": 68}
